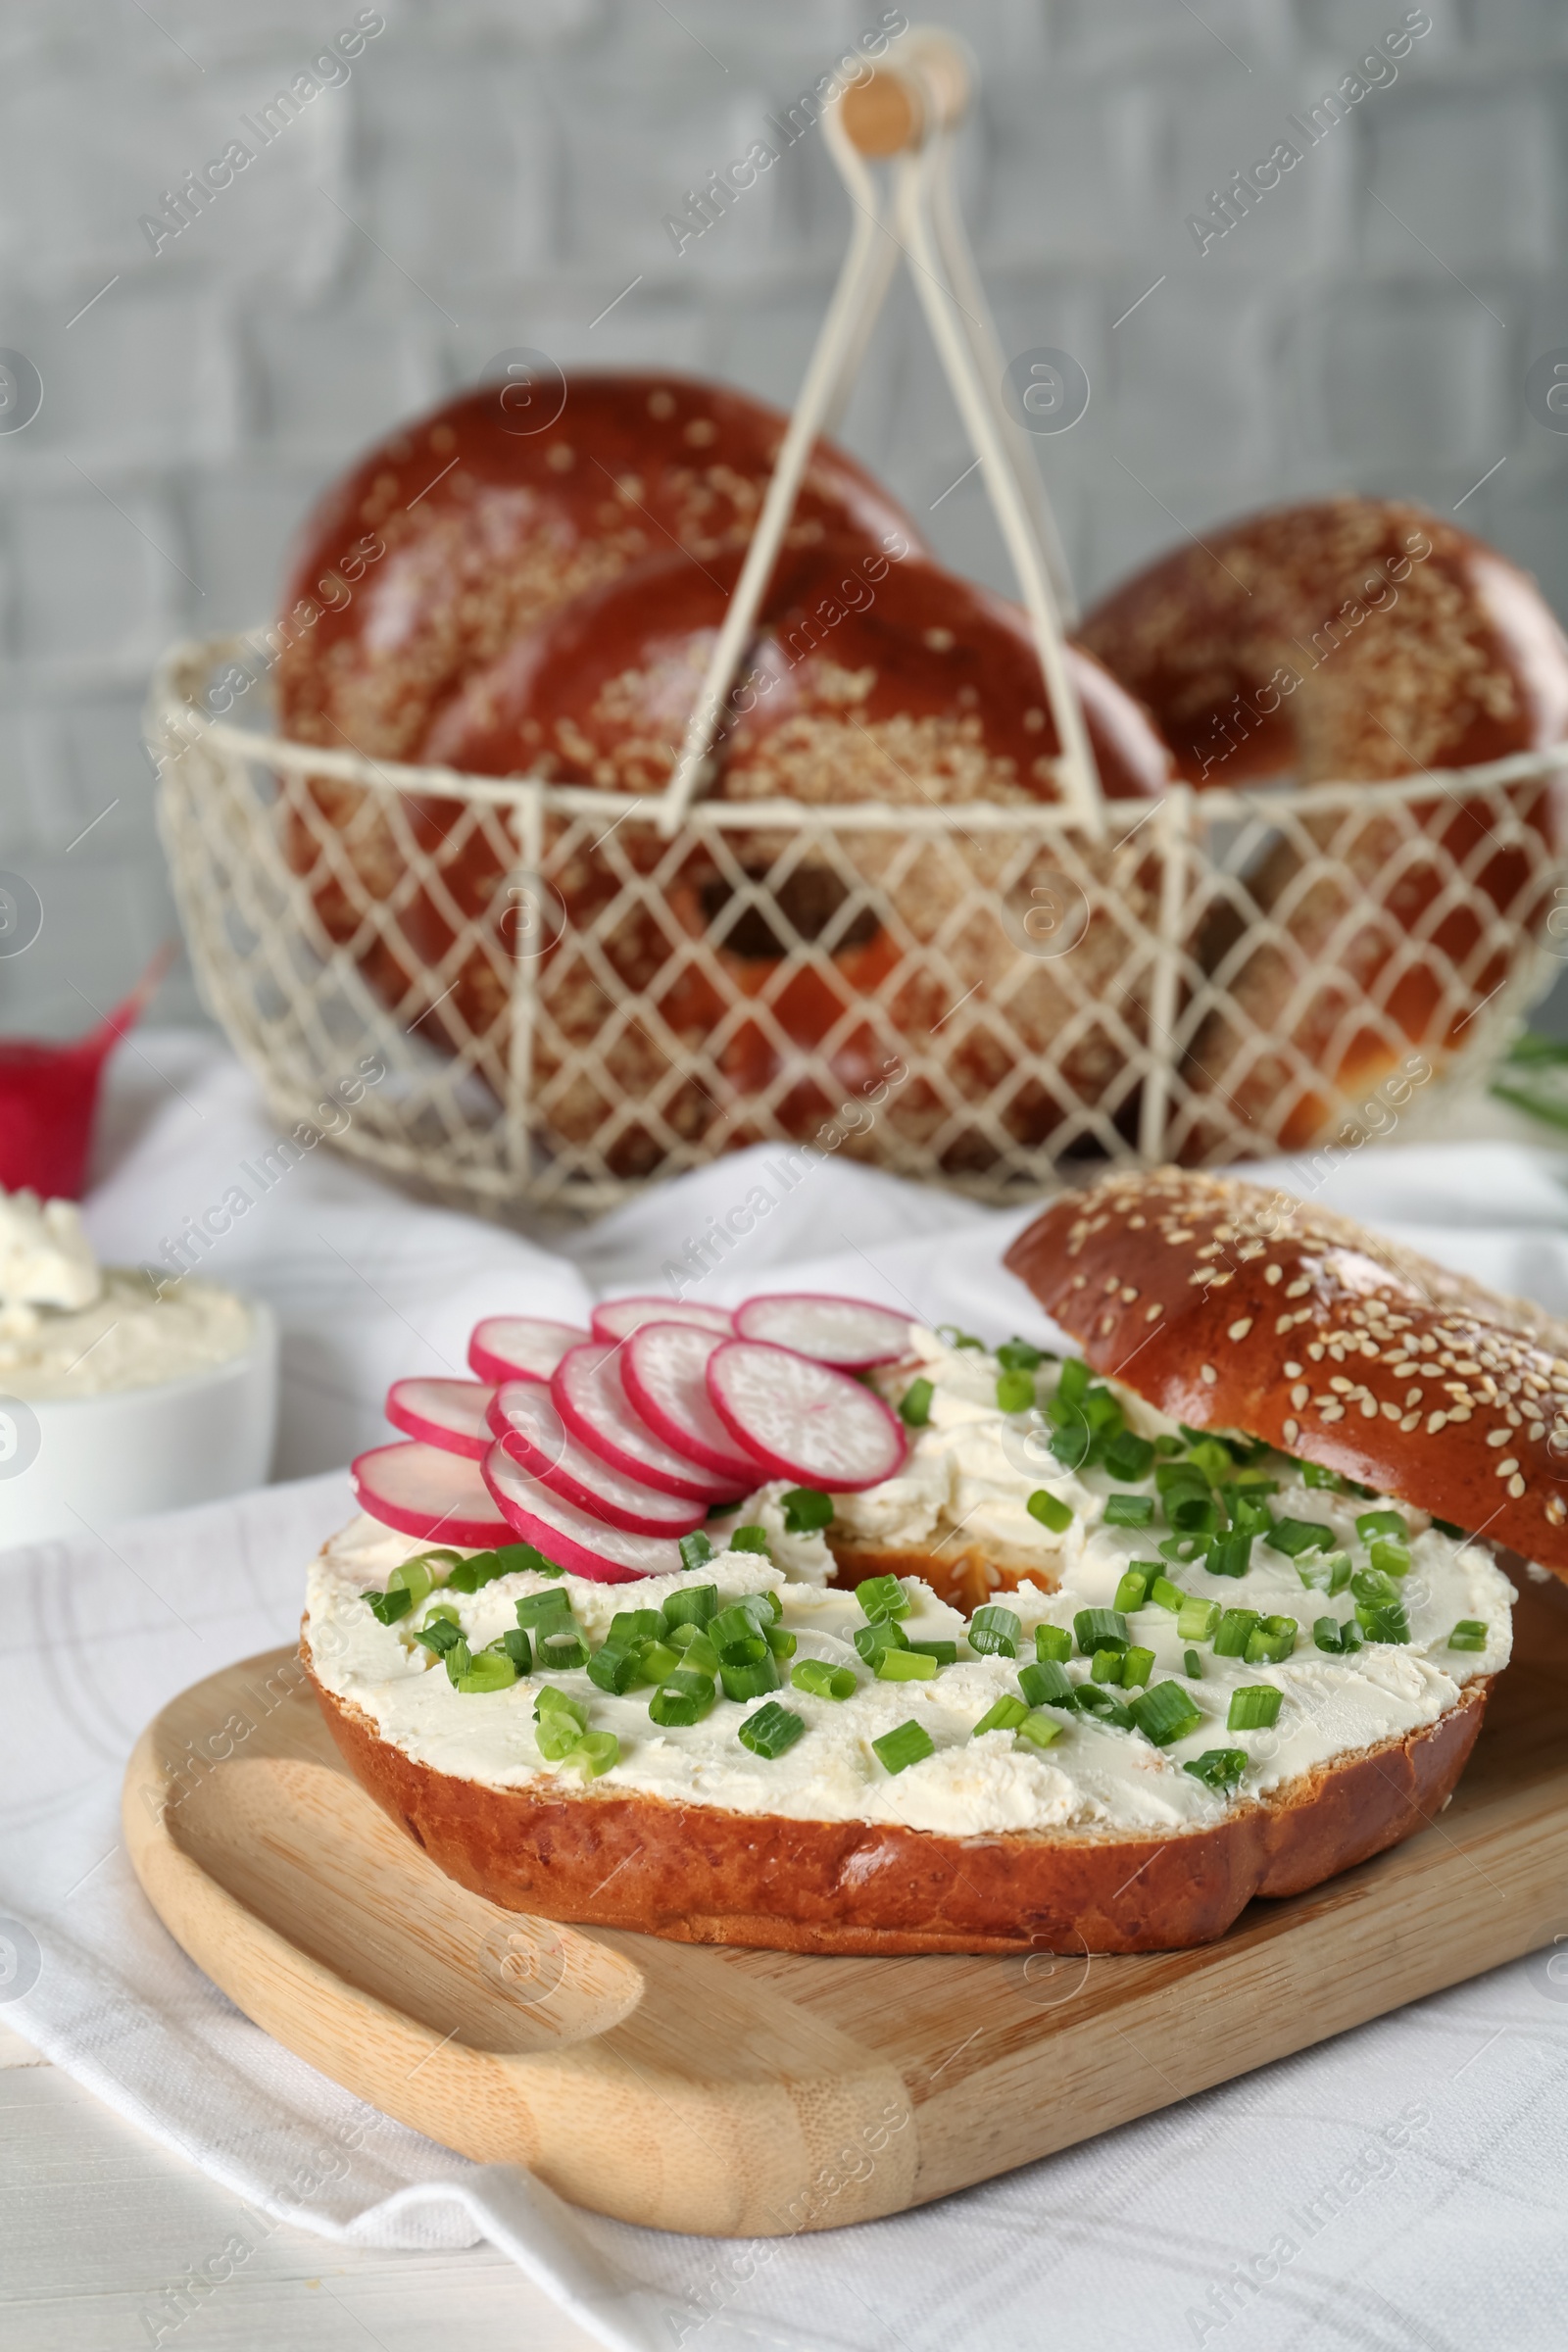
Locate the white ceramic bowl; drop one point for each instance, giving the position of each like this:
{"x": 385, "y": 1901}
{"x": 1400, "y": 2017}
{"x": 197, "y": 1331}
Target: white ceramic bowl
{"x": 86, "y": 1462}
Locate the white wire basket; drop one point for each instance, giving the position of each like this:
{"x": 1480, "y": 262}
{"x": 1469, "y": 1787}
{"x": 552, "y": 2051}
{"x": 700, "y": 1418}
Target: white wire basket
{"x": 574, "y": 994}
{"x": 568, "y": 1005}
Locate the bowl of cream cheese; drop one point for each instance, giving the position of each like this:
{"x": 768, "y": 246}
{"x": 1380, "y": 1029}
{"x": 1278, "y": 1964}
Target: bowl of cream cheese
{"x": 120, "y": 1395}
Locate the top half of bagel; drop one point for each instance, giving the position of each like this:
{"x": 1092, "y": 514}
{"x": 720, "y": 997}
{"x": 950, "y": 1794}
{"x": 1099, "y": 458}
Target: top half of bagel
{"x": 1228, "y": 1306}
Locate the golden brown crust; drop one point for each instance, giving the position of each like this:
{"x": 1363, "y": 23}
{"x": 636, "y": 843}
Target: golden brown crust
{"x": 1230, "y": 1307}
{"x": 698, "y": 1874}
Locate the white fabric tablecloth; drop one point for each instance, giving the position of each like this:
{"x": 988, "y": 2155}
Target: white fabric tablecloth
{"x": 1401, "y": 2186}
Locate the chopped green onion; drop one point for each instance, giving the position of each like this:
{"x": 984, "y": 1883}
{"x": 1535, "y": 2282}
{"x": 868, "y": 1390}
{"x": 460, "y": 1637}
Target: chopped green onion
{"x": 1020, "y": 1355}
{"x": 1045, "y": 1507}
{"x": 764, "y": 1605}
{"x": 1046, "y": 1683}
{"x": 1053, "y": 1643}
{"x": 682, "y": 1698}
{"x": 1329, "y": 1573}
{"x": 518, "y": 1649}
{"x": 457, "y": 1660}
{"x": 561, "y": 1648}
{"x": 1271, "y": 1640}
{"x": 1099, "y": 1629}
{"x": 1165, "y": 1713}
{"x": 1040, "y": 1729}
{"x": 882, "y": 1598}
{"x": 1330, "y": 1635}
{"x": 1105, "y": 1665}
{"x": 1229, "y": 1555}
{"x": 1469, "y": 1634}
{"x": 389, "y": 1605}
{"x": 1133, "y": 1589}
{"x": 1072, "y": 1380}
{"x": 1004, "y": 1714}
{"x": 549, "y": 1700}
{"x": 749, "y": 1680}
{"x": 733, "y": 1624}
{"x": 1095, "y": 1700}
{"x": 414, "y": 1578}
{"x": 1393, "y": 1559}
{"x": 823, "y": 1680}
{"x": 1194, "y": 1665}
{"x": 1135, "y": 1668}
{"x": 1293, "y": 1537}
{"x": 616, "y": 1667}
{"x": 1372, "y": 1585}
{"x": 1198, "y": 1619}
{"x": 915, "y": 1407}
{"x": 995, "y": 1632}
{"x": 1218, "y": 1768}
{"x": 1370, "y": 1524}
{"x": 695, "y": 1550}
{"x": 872, "y": 1639}
{"x": 1254, "y": 1707}
{"x": 945, "y": 1652}
{"x": 657, "y": 1660}
{"x": 1167, "y": 1445}
{"x": 557, "y": 1735}
{"x": 1383, "y": 1621}
{"x": 771, "y": 1730}
{"x": 952, "y": 1337}
{"x": 1129, "y": 1510}
{"x": 780, "y": 1641}
{"x": 906, "y": 1744}
{"x": 806, "y": 1508}
{"x": 543, "y": 1608}
{"x": 1072, "y": 1444}
{"x": 481, "y": 1568}
{"x": 439, "y": 1633}
{"x": 594, "y": 1753}
{"x": 1233, "y": 1632}
{"x": 747, "y": 1538}
{"x": 1180, "y": 1550}
{"x": 1015, "y": 1392}
{"x": 1210, "y": 1455}
{"x": 491, "y": 1670}
{"x": 694, "y": 1604}
{"x": 694, "y": 1647}
{"x": 1128, "y": 1456}
{"x": 904, "y": 1666}
{"x": 1313, "y": 1474}
{"x": 1195, "y": 1514}
{"x": 442, "y": 1612}
{"x": 1166, "y": 1595}
{"x": 635, "y": 1625}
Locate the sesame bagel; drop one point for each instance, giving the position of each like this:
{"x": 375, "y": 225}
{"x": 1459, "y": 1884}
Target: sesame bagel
{"x": 1230, "y": 1307}
{"x": 1353, "y": 640}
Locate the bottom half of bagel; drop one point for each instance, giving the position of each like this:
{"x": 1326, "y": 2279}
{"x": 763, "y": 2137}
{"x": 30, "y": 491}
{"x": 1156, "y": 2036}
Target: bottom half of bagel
{"x": 1099, "y": 1841}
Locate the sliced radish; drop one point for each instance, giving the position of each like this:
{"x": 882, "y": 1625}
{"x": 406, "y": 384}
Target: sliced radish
{"x": 848, "y": 1332}
{"x": 664, "y": 1367}
{"x": 585, "y": 1546}
{"x": 593, "y": 1403}
{"x": 526, "y": 1425}
{"x": 618, "y": 1318}
{"x": 421, "y": 1491}
{"x": 449, "y": 1413}
{"x": 521, "y": 1346}
{"x": 804, "y": 1420}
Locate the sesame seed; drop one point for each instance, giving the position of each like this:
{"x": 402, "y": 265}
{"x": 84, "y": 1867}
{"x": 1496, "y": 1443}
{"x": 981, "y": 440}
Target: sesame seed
{"x": 1155, "y": 1313}
{"x": 1556, "y": 1509}
{"x": 1293, "y": 1430}
{"x": 1516, "y": 1486}
{"x": 1506, "y": 1469}
{"x": 1334, "y": 1412}
{"x": 1496, "y": 1437}
{"x": 1314, "y": 1349}
{"x": 1299, "y": 1394}
{"x": 1273, "y": 1273}
{"x": 1409, "y": 1421}
{"x": 1435, "y": 1422}
{"x": 1369, "y": 1408}
{"x": 1209, "y": 1373}
{"x": 1293, "y": 1371}
{"x": 1240, "y": 1330}
{"x": 1412, "y": 1396}
{"x": 1297, "y": 1289}
{"x": 1390, "y": 1412}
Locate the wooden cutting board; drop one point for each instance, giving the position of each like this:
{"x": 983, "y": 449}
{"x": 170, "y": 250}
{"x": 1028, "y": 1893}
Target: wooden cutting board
{"x": 755, "y": 2093}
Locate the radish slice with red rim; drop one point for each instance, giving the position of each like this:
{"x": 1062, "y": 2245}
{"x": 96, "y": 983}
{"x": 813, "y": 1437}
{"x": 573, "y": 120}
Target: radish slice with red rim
{"x": 664, "y": 1367}
{"x": 572, "y": 1538}
{"x": 449, "y": 1413}
{"x": 420, "y": 1490}
{"x": 804, "y": 1420}
{"x": 521, "y": 1346}
{"x": 592, "y": 1400}
{"x": 618, "y": 1318}
{"x": 526, "y": 1425}
{"x": 851, "y": 1333}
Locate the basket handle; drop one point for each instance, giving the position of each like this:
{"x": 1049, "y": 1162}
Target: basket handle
{"x": 907, "y": 112}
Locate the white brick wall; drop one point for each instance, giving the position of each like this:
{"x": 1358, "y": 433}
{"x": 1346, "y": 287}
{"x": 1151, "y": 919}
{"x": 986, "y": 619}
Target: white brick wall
{"x": 494, "y": 172}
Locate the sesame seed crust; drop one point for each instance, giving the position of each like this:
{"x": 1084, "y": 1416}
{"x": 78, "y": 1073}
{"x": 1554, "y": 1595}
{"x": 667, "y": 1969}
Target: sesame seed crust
{"x": 1494, "y": 1369}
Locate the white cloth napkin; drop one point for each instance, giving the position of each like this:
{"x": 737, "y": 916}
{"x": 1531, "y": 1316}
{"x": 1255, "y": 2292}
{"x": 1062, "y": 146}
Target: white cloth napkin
{"x": 1401, "y": 2186}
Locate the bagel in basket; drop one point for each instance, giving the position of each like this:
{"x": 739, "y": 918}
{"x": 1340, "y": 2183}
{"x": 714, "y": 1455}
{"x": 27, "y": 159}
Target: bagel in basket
{"x": 874, "y": 676}
{"x": 1352, "y": 640}
{"x": 464, "y": 528}
{"x": 1233, "y": 1642}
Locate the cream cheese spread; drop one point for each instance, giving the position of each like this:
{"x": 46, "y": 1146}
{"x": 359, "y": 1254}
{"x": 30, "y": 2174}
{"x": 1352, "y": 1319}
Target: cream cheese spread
{"x": 971, "y": 1465}
{"x": 69, "y": 1327}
